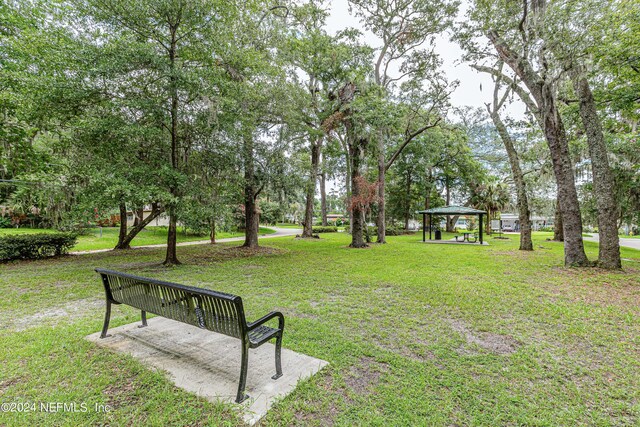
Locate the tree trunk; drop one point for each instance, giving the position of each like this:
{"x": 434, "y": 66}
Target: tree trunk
{"x": 250, "y": 196}
{"x": 407, "y": 207}
{"x": 348, "y": 189}
{"x": 603, "y": 183}
{"x": 487, "y": 224}
{"x": 172, "y": 236}
{"x": 323, "y": 199}
{"x": 382, "y": 165}
{"x": 450, "y": 223}
{"x": 123, "y": 228}
{"x": 212, "y": 231}
{"x": 171, "y": 256}
{"x": 307, "y": 224}
{"x": 553, "y": 127}
{"x": 139, "y": 216}
{"x": 524, "y": 216}
{"x": 356, "y": 154}
{"x": 558, "y": 230}
{"x": 574, "y": 254}
{"x": 133, "y": 232}
{"x": 251, "y": 222}
{"x": 427, "y": 199}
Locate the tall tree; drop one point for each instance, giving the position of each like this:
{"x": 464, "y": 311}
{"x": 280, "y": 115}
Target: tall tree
{"x": 514, "y": 39}
{"x": 175, "y": 52}
{"x": 524, "y": 214}
{"x": 603, "y": 180}
{"x": 407, "y": 29}
{"x": 574, "y": 42}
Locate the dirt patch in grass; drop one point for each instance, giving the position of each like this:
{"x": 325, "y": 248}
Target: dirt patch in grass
{"x": 597, "y": 286}
{"x": 121, "y": 394}
{"x": 417, "y": 352}
{"x": 322, "y": 412}
{"x": 324, "y": 416}
{"x": 215, "y": 254}
{"x": 365, "y": 375}
{"x": 5, "y": 384}
{"x": 360, "y": 379}
{"x": 71, "y": 310}
{"x": 495, "y": 343}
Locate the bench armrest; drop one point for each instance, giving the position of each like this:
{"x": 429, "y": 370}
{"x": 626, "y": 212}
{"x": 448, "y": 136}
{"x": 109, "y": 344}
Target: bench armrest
{"x": 264, "y": 319}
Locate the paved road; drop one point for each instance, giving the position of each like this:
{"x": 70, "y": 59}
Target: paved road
{"x": 280, "y": 232}
{"x": 629, "y": 243}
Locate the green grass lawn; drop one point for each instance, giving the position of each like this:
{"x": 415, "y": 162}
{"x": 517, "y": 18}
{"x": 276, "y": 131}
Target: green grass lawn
{"x": 108, "y": 237}
{"x": 287, "y": 225}
{"x": 416, "y": 334}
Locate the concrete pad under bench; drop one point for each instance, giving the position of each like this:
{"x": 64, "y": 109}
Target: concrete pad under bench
{"x": 208, "y": 364}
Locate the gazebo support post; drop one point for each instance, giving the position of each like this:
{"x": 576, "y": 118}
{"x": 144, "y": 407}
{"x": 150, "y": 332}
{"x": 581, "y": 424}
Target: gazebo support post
{"x": 424, "y": 227}
{"x": 430, "y": 225}
{"x": 480, "y": 228}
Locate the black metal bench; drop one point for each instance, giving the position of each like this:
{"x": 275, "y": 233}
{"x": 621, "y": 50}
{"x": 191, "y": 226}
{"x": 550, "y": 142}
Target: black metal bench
{"x": 206, "y": 309}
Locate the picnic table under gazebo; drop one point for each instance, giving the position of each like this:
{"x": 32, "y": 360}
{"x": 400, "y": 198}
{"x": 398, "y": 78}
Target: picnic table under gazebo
{"x": 450, "y": 211}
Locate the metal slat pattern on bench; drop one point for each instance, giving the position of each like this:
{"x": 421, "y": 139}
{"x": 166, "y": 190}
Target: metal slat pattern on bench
{"x": 222, "y": 313}
{"x": 216, "y": 311}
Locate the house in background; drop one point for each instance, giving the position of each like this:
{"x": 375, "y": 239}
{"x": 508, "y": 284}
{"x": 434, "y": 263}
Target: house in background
{"x": 510, "y": 222}
{"x": 161, "y": 220}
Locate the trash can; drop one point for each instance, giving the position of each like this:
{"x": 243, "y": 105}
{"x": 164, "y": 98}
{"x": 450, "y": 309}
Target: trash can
{"x": 438, "y": 235}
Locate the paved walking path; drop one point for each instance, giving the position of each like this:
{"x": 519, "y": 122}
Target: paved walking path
{"x": 280, "y": 232}
{"x": 629, "y": 243}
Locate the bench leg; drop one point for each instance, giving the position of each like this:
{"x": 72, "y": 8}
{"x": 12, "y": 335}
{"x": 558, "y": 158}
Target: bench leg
{"x": 107, "y": 317}
{"x": 278, "y": 358}
{"x": 144, "y": 319}
{"x": 241, "y": 397}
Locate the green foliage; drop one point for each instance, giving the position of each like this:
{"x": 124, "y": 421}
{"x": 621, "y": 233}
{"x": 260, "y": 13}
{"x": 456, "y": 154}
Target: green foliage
{"x": 270, "y": 212}
{"x": 5, "y": 222}
{"x": 35, "y": 246}
{"x": 390, "y": 230}
{"x": 325, "y": 229}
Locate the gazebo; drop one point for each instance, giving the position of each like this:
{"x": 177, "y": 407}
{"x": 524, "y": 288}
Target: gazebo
{"x": 449, "y": 210}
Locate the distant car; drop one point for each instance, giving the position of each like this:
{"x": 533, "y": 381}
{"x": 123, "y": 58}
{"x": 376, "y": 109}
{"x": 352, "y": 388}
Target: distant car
{"x": 507, "y": 229}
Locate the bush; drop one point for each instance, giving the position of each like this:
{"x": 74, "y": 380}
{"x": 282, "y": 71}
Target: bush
{"x": 5, "y": 222}
{"x": 326, "y": 229}
{"x": 391, "y": 231}
{"x": 35, "y": 246}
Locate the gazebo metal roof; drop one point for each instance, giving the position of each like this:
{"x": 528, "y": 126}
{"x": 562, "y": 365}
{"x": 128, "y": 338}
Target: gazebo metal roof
{"x": 452, "y": 210}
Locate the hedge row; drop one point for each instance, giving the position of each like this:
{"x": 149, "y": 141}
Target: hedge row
{"x": 35, "y": 246}
{"x": 325, "y": 229}
{"x": 391, "y": 231}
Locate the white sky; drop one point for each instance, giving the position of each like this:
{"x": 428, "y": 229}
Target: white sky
{"x": 467, "y": 93}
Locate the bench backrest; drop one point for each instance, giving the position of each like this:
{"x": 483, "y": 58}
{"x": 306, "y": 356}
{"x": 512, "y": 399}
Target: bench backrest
{"x": 215, "y": 311}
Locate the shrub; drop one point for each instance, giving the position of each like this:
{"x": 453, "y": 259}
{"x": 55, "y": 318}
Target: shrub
{"x": 391, "y": 231}
{"x": 5, "y": 222}
{"x": 327, "y": 229}
{"x": 35, "y": 246}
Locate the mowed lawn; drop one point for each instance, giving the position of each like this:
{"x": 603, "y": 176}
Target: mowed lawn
{"x": 107, "y": 238}
{"x": 416, "y": 334}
